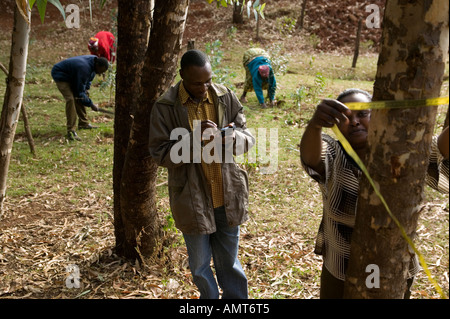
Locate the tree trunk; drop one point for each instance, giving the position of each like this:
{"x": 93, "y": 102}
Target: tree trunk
{"x": 133, "y": 28}
{"x": 13, "y": 96}
{"x": 26, "y": 123}
{"x": 238, "y": 18}
{"x": 410, "y": 66}
{"x": 258, "y": 24}
{"x": 446, "y": 118}
{"x": 138, "y": 184}
{"x": 27, "y": 128}
{"x": 300, "y": 21}
{"x": 357, "y": 41}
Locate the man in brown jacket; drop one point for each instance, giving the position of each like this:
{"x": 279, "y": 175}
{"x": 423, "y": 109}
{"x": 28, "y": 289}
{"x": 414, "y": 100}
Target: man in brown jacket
{"x": 195, "y": 129}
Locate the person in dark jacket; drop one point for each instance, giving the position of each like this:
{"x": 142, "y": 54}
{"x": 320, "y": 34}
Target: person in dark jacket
{"x": 208, "y": 198}
{"x": 73, "y": 78}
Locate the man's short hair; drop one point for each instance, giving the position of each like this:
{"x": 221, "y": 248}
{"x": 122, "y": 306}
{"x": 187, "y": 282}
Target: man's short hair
{"x": 194, "y": 58}
{"x": 351, "y": 92}
{"x": 102, "y": 62}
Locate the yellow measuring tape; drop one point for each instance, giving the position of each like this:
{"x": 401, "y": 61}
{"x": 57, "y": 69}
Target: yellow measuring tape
{"x": 407, "y": 104}
{"x": 356, "y": 106}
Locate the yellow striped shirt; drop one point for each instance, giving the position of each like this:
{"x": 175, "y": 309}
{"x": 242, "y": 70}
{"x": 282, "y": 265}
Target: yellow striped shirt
{"x": 203, "y": 111}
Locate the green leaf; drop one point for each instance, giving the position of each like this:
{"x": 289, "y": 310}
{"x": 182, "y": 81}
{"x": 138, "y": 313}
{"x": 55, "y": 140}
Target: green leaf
{"x": 31, "y": 2}
{"x": 59, "y": 6}
{"x": 262, "y": 15}
{"x": 223, "y": 3}
{"x": 260, "y": 10}
{"x": 41, "y": 5}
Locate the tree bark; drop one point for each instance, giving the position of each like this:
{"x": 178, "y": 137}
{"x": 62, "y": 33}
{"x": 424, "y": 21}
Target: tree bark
{"x": 133, "y": 21}
{"x": 14, "y": 95}
{"x": 238, "y": 18}
{"x": 410, "y": 66}
{"x": 27, "y": 128}
{"x": 258, "y": 24}
{"x": 300, "y": 21}
{"x": 141, "y": 225}
{"x": 446, "y": 118}
{"x": 24, "y": 113}
{"x": 357, "y": 42}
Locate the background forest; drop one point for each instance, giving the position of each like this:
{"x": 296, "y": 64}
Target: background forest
{"x": 59, "y": 206}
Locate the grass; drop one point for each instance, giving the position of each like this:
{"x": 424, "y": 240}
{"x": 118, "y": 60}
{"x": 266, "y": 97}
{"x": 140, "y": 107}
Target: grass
{"x": 59, "y": 202}
{"x": 55, "y": 154}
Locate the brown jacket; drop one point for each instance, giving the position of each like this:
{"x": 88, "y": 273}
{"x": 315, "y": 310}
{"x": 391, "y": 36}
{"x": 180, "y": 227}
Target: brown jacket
{"x": 189, "y": 194}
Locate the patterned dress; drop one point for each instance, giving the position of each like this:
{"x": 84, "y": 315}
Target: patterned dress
{"x": 248, "y": 57}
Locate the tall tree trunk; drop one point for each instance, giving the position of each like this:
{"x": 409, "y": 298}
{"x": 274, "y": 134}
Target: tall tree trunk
{"x": 446, "y": 118}
{"x": 238, "y": 18}
{"x": 141, "y": 225}
{"x": 410, "y": 66}
{"x": 357, "y": 42}
{"x": 300, "y": 21}
{"x": 14, "y": 94}
{"x": 133, "y": 20}
{"x": 26, "y": 122}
